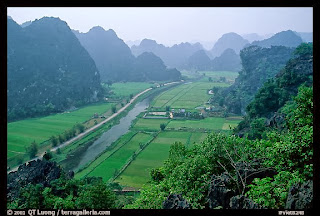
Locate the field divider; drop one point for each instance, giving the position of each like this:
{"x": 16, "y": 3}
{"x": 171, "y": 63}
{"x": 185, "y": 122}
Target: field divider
{"x": 132, "y": 159}
{"x": 188, "y": 140}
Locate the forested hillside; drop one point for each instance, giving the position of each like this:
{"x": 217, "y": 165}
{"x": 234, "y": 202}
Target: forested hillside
{"x": 48, "y": 69}
{"x": 269, "y": 100}
{"x": 44, "y": 185}
{"x": 258, "y": 65}
{"x": 229, "y": 172}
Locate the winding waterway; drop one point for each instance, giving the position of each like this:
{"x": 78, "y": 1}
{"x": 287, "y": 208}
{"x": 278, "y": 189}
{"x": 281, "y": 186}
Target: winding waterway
{"x": 113, "y": 133}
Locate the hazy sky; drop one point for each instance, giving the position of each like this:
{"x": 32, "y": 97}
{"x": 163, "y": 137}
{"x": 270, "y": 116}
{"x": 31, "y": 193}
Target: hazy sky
{"x": 175, "y": 25}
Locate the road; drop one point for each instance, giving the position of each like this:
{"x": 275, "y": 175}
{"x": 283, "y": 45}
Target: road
{"x": 87, "y": 131}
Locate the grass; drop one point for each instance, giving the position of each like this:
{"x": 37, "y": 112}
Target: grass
{"x": 125, "y": 89}
{"x": 196, "y": 138}
{"x": 211, "y": 123}
{"x": 118, "y": 159}
{"x": 22, "y": 133}
{"x": 137, "y": 173}
{"x": 149, "y": 124}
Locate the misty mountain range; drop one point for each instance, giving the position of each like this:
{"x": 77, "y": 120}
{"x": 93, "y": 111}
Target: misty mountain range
{"x": 194, "y": 57}
{"x": 52, "y": 67}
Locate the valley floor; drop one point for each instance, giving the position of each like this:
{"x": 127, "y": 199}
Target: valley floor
{"x": 145, "y": 146}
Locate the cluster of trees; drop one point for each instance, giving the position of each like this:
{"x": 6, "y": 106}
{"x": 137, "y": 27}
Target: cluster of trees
{"x": 78, "y": 128}
{"x": 66, "y": 193}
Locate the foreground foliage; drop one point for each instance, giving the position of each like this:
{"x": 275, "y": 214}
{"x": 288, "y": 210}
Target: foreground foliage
{"x": 66, "y": 193}
{"x": 289, "y": 153}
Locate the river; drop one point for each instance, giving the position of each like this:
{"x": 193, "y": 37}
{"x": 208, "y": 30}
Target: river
{"x": 112, "y": 134}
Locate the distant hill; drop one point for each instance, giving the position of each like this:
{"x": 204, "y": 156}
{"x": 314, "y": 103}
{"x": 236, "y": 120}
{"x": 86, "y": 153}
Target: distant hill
{"x": 25, "y": 24}
{"x": 284, "y": 38}
{"x": 229, "y": 40}
{"x": 199, "y": 61}
{"x": 111, "y": 55}
{"x": 130, "y": 43}
{"x": 149, "y": 67}
{"x": 115, "y": 61}
{"x": 48, "y": 69}
{"x": 173, "y": 57}
{"x": 228, "y": 61}
{"x": 205, "y": 44}
{"x": 147, "y": 45}
{"x": 252, "y": 37}
{"x": 306, "y": 36}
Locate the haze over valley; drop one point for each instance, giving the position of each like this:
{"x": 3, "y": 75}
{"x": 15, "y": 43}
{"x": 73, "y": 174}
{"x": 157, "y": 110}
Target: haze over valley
{"x": 127, "y": 110}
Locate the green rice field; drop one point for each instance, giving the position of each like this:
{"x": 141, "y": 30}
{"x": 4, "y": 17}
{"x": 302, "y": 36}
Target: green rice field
{"x": 118, "y": 159}
{"x": 188, "y": 95}
{"x": 125, "y": 89}
{"x": 153, "y": 156}
{"x": 149, "y": 124}
{"x": 211, "y": 123}
{"x": 22, "y": 133}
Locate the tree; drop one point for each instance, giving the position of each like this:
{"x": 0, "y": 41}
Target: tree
{"x": 96, "y": 195}
{"x": 54, "y": 141}
{"x": 210, "y": 79}
{"x": 162, "y": 126}
{"x": 47, "y": 156}
{"x": 80, "y": 127}
{"x": 113, "y": 109}
{"x": 61, "y": 138}
{"x": 73, "y": 131}
{"x": 109, "y": 83}
{"x": 221, "y": 101}
{"x": 20, "y": 159}
{"x": 32, "y": 150}
{"x": 31, "y": 196}
{"x": 157, "y": 174}
{"x": 223, "y": 79}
